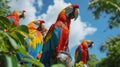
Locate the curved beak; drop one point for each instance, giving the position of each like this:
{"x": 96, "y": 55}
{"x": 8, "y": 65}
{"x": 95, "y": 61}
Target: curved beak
{"x": 90, "y": 43}
{"x": 76, "y": 13}
{"x": 22, "y": 14}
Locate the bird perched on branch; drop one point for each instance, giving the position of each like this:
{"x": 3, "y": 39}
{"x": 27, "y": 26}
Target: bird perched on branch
{"x": 16, "y": 16}
{"x": 82, "y": 54}
{"x": 57, "y": 37}
{"x": 35, "y": 37}
{"x": 34, "y": 40}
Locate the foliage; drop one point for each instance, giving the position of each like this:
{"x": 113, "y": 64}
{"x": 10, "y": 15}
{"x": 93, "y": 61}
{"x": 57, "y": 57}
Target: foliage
{"x": 111, "y": 46}
{"x": 58, "y": 65}
{"x": 113, "y": 52}
{"x": 4, "y": 8}
{"x": 79, "y": 64}
{"x": 110, "y": 7}
{"x": 10, "y": 37}
{"x": 93, "y": 60}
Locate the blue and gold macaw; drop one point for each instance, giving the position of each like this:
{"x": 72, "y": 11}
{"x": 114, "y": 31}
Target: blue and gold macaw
{"x": 81, "y": 54}
{"x": 34, "y": 40}
{"x": 57, "y": 37}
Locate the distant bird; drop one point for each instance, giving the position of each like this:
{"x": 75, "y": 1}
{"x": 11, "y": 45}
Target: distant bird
{"x": 16, "y": 16}
{"x": 81, "y": 53}
{"x": 57, "y": 37}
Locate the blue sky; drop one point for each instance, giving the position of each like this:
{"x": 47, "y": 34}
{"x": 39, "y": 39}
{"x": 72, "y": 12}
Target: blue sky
{"x": 85, "y": 27}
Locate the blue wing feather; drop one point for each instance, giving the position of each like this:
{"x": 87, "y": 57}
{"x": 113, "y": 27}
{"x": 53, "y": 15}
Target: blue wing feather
{"x": 54, "y": 40}
{"x": 34, "y": 52}
{"x": 79, "y": 55}
{"x": 50, "y": 46}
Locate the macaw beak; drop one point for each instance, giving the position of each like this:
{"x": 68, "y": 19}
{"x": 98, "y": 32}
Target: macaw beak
{"x": 22, "y": 14}
{"x": 76, "y": 12}
{"x": 90, "y": 43}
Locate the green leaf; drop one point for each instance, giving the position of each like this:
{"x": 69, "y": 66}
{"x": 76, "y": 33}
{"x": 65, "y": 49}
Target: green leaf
{"x": 12, "y": 41}
{"x": 23, "y": 28}
{"x": 4, "y": 22}
{"x": 36, "y": 62}
{"x": 25, "y": 65}
{"x": 106, "y": 8}
{"x": 8, "y": 61}
{"x": 23, "y": 51}
{"x": 14, "y": 61}
{"x": 20, "y": 38}
{"x": 58, "y": 65}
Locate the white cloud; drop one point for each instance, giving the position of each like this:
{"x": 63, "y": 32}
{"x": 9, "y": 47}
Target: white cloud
{"x": 79, "y": 30}
{"x": 26, "y": 5}
{"x": 40, "y": 3}
{"x": 53, "y": 10}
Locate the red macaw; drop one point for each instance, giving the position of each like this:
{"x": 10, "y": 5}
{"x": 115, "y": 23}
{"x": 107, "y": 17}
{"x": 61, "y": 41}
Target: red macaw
{"x": 15, "y": 16}
{"x": 57, "y": 37}
{"x": 81, "y": 53}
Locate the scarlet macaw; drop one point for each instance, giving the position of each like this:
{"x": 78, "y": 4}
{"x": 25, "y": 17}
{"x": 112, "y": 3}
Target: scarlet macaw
{"x": 57, "y": 37}
{"x": 15, "y": 16}
{"x": 34, "y": 40}
{"x": 81, "y": 53}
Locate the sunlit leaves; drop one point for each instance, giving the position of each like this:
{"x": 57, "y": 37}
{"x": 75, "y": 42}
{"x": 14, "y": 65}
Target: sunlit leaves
{"x": 23, "y": 28}
{"x": 58, "y": 65}
{"x": 110, "y": 7}
{"x": 93, "y": 60}
{"x": 4, "y": 22}
{"x": 113, "y": 52}
{"x": 79, "y": 64}
{"x": 4, "y": 8}
{"x": 34, "y": 61}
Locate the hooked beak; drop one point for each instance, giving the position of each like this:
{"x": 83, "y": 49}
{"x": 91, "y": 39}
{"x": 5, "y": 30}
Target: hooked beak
{"x": 90, "y": 44}
{"x": 22, "y": 14}
{"x": 76, "y": 12}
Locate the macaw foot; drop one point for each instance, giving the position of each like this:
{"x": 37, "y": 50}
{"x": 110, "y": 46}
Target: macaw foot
{"x": 64, "y": 58}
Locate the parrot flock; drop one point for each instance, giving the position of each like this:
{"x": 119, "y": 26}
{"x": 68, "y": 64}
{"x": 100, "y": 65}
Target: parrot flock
{"x": 51, "y": 46}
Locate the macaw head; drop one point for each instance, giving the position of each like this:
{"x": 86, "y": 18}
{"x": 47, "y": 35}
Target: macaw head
{"x": 39, "y": 24}
{"x": 89, "y": 43}
{"x": 71, "y": 11}
{"x": 22, "y": 15}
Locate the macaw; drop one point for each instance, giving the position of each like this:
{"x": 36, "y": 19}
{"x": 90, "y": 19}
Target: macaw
{"x": 81, "y": 53}
{"x": 34, "y": 40}
{"x": 57, "y": 38}
{"x": 15, "y": 16}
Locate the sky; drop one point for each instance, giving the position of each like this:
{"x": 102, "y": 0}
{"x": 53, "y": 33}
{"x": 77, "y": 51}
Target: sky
{"x": 85, "y": 27}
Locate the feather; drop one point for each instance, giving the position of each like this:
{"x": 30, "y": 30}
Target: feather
{"x": 57, "y": 37}
{"x": 78, "y": 55}
{"x": 14, "y": 17}
{"x": 50, "y": 44}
